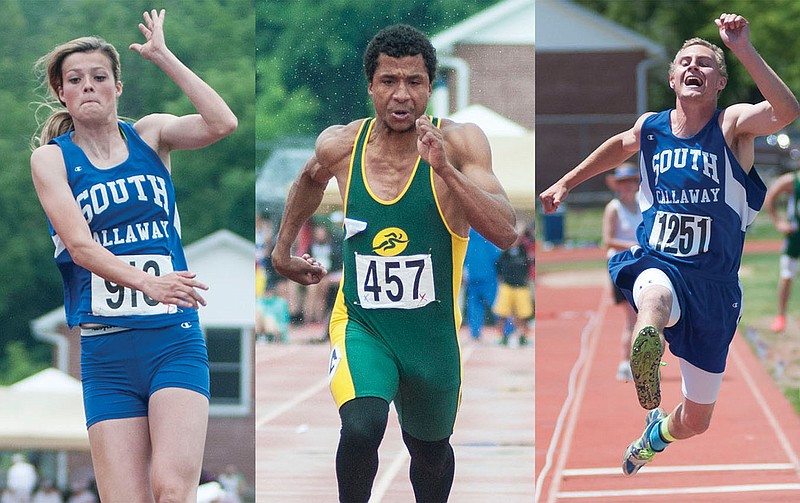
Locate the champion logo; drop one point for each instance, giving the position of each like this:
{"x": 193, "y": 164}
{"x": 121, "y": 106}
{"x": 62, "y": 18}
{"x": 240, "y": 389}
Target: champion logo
{"x": 186, "y": 324}
{"x": 651, "y": 137}
{"x": 78, "y": 168}
{"x": 735, "y": 305}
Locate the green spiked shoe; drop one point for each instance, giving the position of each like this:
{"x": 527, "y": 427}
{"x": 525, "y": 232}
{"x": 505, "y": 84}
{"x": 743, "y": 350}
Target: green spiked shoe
{"x": 646, "y": 353}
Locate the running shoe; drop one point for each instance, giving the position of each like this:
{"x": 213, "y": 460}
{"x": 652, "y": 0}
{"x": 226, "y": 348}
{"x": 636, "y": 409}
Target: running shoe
{"x": 646, "y": 354}
{"x": 639, "y": 453}
{"x": 778, "y": 324}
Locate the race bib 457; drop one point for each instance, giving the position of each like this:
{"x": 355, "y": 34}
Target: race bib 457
{"x": 399, "y": 282}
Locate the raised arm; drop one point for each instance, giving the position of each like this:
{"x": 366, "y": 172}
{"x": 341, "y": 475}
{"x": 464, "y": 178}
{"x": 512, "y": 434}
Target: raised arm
{"x": 50, "y": 181}
{"x": 304, "y": 198}
{"x": 610, "y": 154}
{"x": 214, "y": 119}
{"x": 783, "y": 185}
{"x": 462, "y": 158}
{"x": 780, "y": 107}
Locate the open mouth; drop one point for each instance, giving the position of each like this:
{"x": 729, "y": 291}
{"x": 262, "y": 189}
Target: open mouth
{"x": 693, "y": 81}
{"x": 401, "y": 114}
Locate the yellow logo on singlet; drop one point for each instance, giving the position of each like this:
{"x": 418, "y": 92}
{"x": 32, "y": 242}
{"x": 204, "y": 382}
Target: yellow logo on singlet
{"x": 390, "y": 242}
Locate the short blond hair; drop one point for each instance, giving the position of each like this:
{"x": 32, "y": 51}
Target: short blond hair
{"x": 719, "y": 56}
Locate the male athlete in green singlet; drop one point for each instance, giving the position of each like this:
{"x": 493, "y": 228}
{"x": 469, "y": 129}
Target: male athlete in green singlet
{"x": 412, "y": 186}
{"x": 788, "y": 183}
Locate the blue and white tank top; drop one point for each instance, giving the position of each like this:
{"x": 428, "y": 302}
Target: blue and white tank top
{"x": 696, "y": 199}
{"x": 131, "y": 211}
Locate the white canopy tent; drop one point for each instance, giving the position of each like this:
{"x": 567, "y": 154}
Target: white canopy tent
{"x": 45, "y": 412}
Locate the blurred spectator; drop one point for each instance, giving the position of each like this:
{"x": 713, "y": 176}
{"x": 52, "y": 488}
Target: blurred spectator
{"x": 47, "y": 493}
{"x": 621, "y": 217}
{"x": 514, "y": 296}
{"x": 20, "y": 480}
{"x": 272, "y": 316}
{"x": 480, "y": 279}
{"x": 233, "y": 483}
{"x": 321, "y": 248}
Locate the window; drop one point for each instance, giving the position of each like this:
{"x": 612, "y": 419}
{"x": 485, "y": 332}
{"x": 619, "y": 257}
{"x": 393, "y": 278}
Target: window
{"x": 229, "y": 357}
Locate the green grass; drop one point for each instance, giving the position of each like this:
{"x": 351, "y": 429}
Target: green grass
{"x": 759, "y": 277}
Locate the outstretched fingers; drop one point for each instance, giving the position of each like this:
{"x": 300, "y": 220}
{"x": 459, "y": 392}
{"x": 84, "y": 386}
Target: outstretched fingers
{"x": 153, "y": 31}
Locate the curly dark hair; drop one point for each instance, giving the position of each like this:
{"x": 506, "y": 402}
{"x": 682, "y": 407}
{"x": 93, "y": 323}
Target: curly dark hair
{"x": 397, "y": 41}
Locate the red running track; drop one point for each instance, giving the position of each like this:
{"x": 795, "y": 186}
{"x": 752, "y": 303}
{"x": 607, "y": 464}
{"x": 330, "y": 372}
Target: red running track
{"x": 585, "y": 418}
{"x": 297, "y": 427}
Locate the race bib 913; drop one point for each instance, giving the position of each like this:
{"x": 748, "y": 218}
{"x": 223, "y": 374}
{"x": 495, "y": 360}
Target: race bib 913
{"x": 111, "y": 299}
{"x": 399, "y": 282}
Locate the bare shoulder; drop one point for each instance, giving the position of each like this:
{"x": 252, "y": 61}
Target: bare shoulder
{"x": 466, "y": 143}
{"x": 335, "y": 144}
{"x": 149, "y": 128}
{"x": 630, "y": 138}
{"x": 45, "y": 159}
{"x": 460, "y": 131}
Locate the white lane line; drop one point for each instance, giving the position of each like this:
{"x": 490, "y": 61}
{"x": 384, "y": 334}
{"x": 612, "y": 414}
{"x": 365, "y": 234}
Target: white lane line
{"x": 385, "y": 480}
{"x": 386, "y": 477}
{"x": 592, "y": 472}
{"x": 765, "y": 408}
{"x": 567, "y": 416}
{"x": 680, "y": 490}
{"x": 290, "y": 404}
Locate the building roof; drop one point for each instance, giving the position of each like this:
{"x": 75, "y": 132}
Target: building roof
{"x": 510, "y": 22}
{"x": 566, "y": 27}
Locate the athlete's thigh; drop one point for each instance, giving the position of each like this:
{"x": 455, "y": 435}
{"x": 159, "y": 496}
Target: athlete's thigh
{"x": 360, "y": 364}
{"x": 178, "y": 423}
{"x": 121, "y": 459}
{"x": 699, "y": 386}
{"x": 430, "y": 386}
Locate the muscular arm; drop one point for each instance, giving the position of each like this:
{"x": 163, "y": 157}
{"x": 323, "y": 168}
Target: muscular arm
{"x": 214, "y": 119}
{"x": 461, "y": 156}
{"x": 50, "y": 181}
{"x": 610, "y": 154}
{"x": 780, "y": 107}
{"x": 303, "y": 200}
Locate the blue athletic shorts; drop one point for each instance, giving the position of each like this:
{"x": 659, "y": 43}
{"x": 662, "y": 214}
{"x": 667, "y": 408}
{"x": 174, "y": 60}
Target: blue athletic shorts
{"x": 710, "y": 307}
{"x": 120, "y": 371}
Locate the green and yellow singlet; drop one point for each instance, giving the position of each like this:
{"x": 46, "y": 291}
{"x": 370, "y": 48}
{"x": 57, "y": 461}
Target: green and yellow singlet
{"x": 395, "y": 322}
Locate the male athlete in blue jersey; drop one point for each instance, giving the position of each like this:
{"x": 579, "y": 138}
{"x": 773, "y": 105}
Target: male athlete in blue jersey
{"x": 698, "y": 194}
{"x": 106, "y": 188}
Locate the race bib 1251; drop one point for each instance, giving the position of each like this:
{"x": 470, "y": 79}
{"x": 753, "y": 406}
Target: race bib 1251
{"x": 680, "y": 235}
